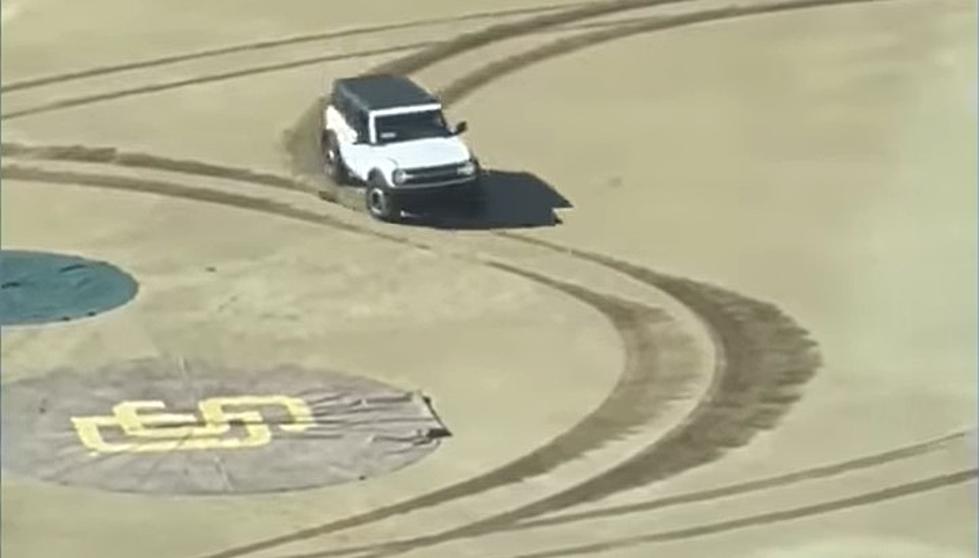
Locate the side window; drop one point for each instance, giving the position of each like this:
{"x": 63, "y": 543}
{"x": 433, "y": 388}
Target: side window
{"x": 340, "y": 104}
{"x": 355, "y": 118}
{"x": 360, "y": 125}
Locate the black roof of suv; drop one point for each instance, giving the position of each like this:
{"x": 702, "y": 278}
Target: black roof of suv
{"x": 378, "y": 92}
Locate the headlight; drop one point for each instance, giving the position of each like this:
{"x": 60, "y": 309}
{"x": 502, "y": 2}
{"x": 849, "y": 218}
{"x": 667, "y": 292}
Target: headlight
{"x": 399, "y": 176}
{"x": 468, "y": 168}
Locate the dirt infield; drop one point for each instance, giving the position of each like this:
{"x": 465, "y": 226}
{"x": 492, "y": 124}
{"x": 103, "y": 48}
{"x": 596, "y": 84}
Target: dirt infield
{"x": 651, "y": 341}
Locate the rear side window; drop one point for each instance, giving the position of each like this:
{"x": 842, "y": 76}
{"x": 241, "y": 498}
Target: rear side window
{"x": 339, "y": 103}
{"x": 359, "y": 123}
{"x": 355, "y": 118}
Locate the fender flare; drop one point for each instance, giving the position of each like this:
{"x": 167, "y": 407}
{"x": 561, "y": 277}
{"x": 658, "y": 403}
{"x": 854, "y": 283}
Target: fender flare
{"x": 376, "y": 173}
{"x": 385, "y": 168}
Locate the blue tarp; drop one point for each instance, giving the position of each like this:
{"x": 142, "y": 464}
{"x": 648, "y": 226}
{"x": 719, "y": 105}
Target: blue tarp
{"x": 39, "y": 287}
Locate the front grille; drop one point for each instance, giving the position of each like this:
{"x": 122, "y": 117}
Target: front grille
{"x": 440, "y": 173}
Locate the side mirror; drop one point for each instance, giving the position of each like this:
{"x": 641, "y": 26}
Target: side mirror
{"x": 461, "y": 128}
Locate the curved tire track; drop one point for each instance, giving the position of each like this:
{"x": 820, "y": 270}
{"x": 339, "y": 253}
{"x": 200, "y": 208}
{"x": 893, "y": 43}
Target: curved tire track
{"x": 683, "y": 288}
{"x": 642, "y": 390}
{"x": 459, "y": 88}
{"x": 116, "y": 157}
{"x": 768, "y": 358}
{"x": 494, "y": 33}
{"x": 95, "y": 98}
{"x": 174, "y": 190}
{"x": 169, "y": 189}
{"x": 166, "y": 86}
{"x": 264, "y": 45}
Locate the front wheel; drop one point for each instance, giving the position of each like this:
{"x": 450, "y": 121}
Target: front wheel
{"x": 380, "y": 204}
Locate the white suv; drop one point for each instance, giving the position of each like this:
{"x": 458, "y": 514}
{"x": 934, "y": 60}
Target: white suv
{"x": 390, "y": 134}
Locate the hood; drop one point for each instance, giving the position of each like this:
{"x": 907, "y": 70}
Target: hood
{"x": 427, "y": 152}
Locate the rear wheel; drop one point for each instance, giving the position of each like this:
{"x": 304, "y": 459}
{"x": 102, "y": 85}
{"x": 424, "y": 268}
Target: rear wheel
{"x": 335, "y": 167}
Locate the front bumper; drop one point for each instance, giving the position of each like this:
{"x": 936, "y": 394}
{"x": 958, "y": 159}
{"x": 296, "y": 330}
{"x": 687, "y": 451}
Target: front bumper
{"x": 431, "y": 197}
{"x": 459, "y": 186}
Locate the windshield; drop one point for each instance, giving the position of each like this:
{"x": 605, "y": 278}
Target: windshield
{"x": 411, "y": 126}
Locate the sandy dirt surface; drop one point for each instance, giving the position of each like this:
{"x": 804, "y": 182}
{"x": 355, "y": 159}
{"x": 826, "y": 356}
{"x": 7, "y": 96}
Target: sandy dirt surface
{"x": 751, "y": 333}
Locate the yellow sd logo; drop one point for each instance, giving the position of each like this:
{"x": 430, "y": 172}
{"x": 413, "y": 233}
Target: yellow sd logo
{"x": 162, "y": 432}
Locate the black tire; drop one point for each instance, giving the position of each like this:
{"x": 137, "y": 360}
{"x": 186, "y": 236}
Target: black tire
{"x": 379, "y": 202}
{"x": 336, "y": 169}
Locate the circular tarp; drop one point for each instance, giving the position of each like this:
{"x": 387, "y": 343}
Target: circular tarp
{"x": 176, "y": 427}
{"x": 37, "y": 287}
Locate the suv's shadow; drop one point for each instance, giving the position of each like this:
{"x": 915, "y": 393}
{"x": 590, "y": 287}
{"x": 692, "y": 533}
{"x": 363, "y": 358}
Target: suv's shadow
{"x": 511, "y": 200}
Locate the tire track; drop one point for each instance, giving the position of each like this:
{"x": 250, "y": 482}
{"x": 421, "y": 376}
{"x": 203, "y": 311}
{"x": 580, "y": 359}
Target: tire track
{"x": 778, "y": 481}
{"x": 116, "y": 157}
{"x": 174, "y": 190}
{"x": 264, "y": 45}
{"x": 494, "y": 33}
{"x": 642, "y": 391}
{"x": 459, "y": 88}
{"x": 85, "y": 100}
{"x": 864, "y": 499}
{"x": 815, "y": 473}
{"x": 166, "y": 86}
{"x": 768, "y": 359}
